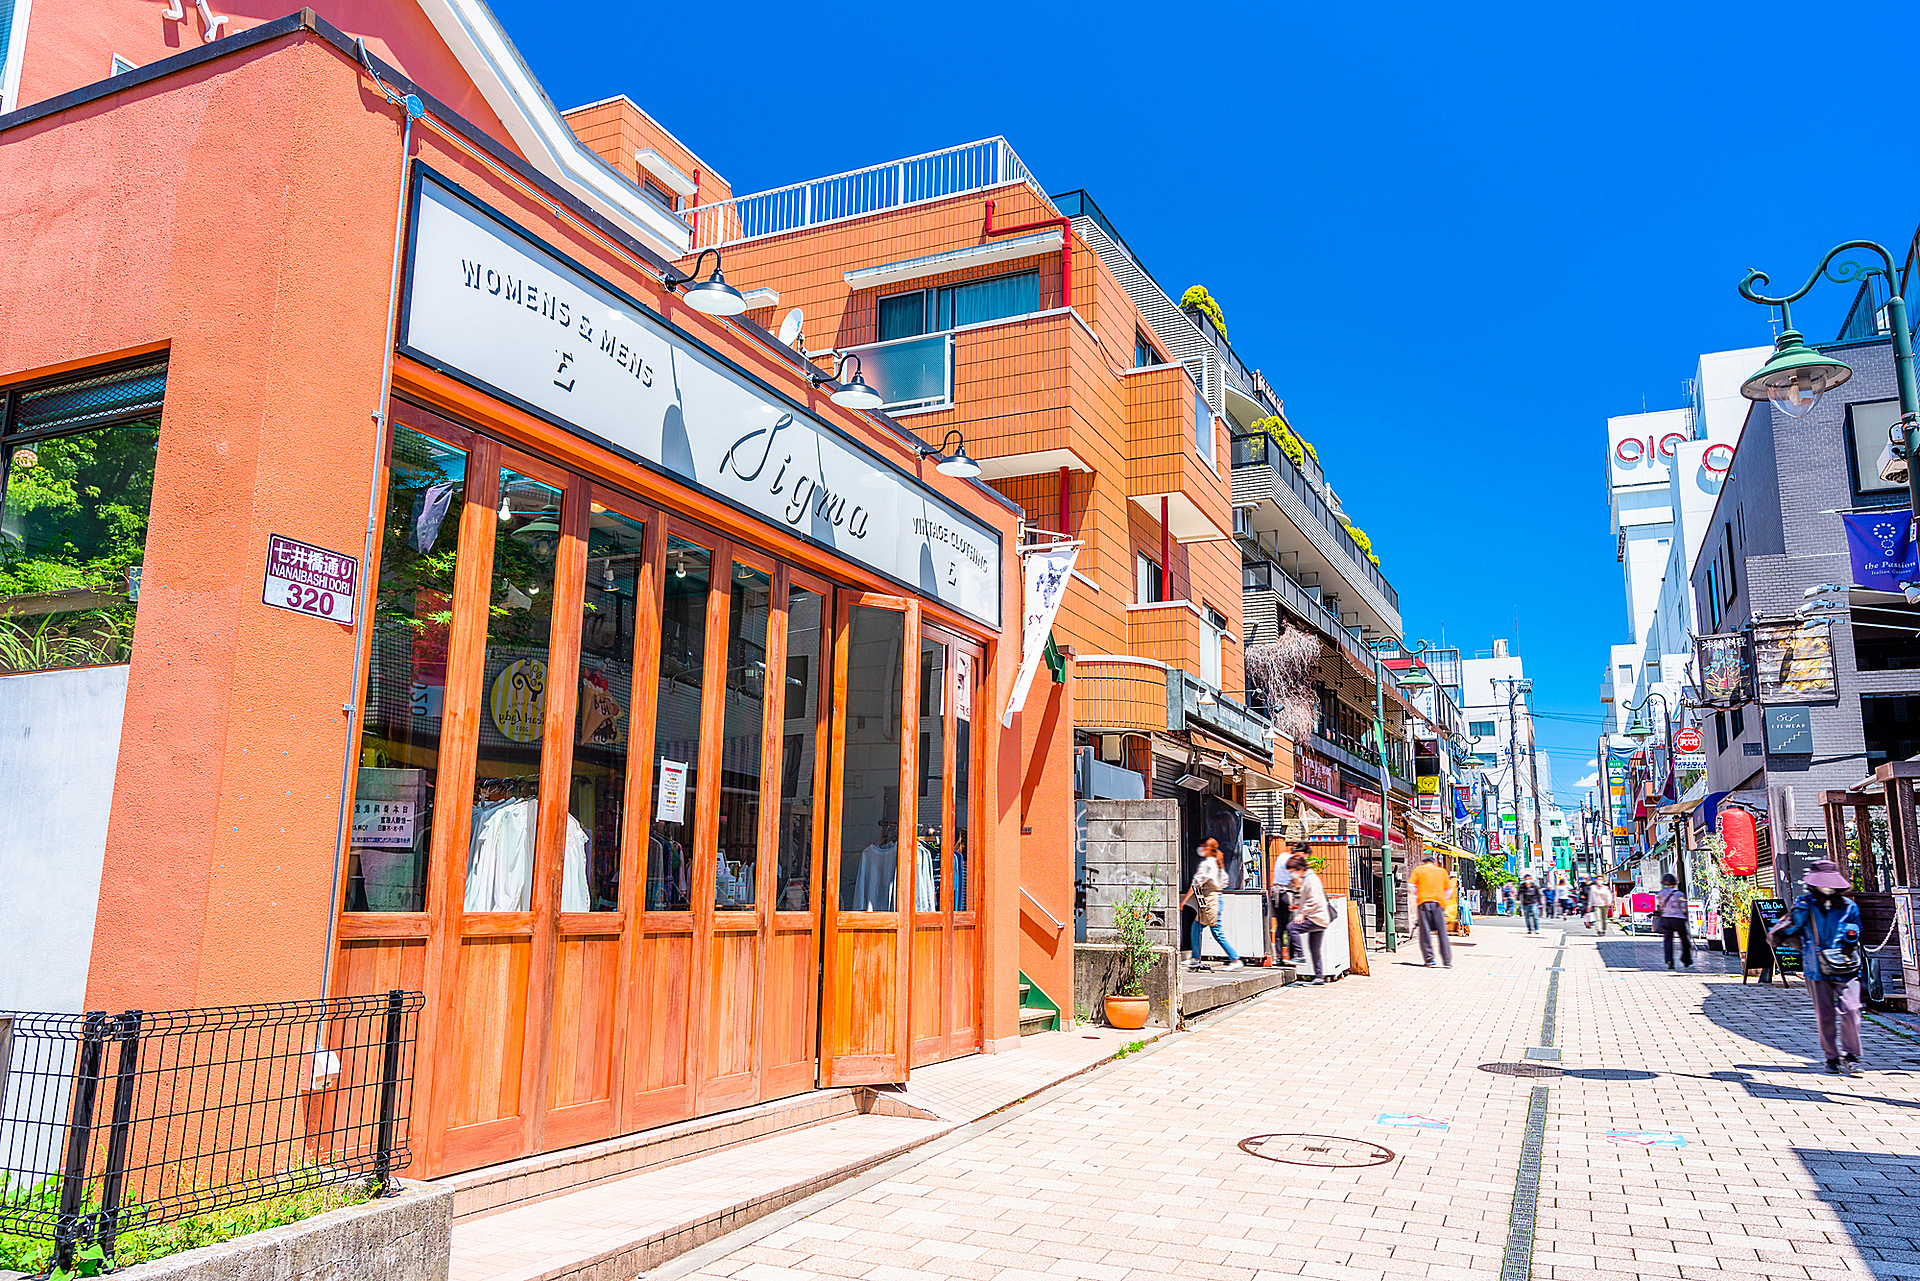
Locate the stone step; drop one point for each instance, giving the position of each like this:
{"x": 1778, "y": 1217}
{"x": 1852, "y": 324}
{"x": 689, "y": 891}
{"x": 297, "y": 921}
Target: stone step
{"x": 1034, "y": 1018}
{"x": 494, "y": 1188}
{"x": 620, "y": 1228}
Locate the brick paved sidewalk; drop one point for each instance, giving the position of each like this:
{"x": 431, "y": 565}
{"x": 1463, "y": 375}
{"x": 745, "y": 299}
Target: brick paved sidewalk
{"x": 1135, "y": 1172}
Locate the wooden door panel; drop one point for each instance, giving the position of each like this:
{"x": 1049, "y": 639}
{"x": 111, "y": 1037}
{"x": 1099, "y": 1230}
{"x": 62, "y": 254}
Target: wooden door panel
{"x": 929, "y": 964}
{"x": 863, "y": 1036}
{"x": 664, "y": 962}
{"x": 963, "y": 1027}
{"x": 789, "y": 1055}
{"x": 733, "y": 962}
{"x": 585, "y": 992}
{"x": 367, "y": 966}
{"x": 490, "y": 1011}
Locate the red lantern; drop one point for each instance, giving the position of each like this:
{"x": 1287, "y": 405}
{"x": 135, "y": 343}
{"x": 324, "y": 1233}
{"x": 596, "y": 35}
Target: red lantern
{"x": 1741, "y": 856}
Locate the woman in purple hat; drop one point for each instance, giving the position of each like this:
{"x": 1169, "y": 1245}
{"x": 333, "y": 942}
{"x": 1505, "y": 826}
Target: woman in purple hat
{"x": 1828, "y": 925}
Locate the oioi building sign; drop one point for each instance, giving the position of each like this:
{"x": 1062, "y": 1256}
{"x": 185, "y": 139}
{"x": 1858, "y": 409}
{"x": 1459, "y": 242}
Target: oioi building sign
{"x": 492, "y": 306}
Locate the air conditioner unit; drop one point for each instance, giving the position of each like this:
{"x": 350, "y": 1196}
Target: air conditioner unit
{"x": 1893, "y": 463}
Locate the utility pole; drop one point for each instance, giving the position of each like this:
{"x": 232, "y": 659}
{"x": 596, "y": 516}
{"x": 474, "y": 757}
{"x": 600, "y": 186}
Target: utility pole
{"x": 1533, "y": 767}
{"x": 1386, "y": 847}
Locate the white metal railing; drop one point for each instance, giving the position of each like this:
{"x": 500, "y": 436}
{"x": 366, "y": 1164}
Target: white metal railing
{"x": 935, "y": 175}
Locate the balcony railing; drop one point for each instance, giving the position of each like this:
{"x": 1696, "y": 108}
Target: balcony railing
{"x": 910, "y": 373}
{"x": 1265, "y": 576}
{"x": 1119, "y": 696}
{"x": 1257, "y": 449}
{"x": 936, "y": 175}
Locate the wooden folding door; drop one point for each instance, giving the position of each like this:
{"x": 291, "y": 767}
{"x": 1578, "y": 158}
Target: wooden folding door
{"x": 871, "y": 824}
{"x": 945, "y": 982}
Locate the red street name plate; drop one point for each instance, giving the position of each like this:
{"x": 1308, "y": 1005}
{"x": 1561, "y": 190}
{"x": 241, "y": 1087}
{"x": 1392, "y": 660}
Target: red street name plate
{"x": 310, "y": 580}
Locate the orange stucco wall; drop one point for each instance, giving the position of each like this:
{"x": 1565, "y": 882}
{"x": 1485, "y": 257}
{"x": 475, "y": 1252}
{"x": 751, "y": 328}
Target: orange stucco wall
{"x": 71, "y": 43}
{"x": 618, "y": 129}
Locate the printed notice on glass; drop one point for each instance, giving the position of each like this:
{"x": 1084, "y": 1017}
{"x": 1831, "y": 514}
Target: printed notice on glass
{"x": 383, "y": 824}
{"x": 673, "y": 792}
{"x": 310, "y": 580}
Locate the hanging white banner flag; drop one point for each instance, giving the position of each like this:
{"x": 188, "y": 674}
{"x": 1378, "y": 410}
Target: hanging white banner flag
{"x": 1047, "y": 574}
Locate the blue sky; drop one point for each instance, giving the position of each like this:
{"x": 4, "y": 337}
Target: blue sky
{"x": 1455, "y": 238}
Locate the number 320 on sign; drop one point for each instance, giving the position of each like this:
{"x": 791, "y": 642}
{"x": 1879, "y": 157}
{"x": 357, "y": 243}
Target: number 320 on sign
{"x": 310, "y": 580}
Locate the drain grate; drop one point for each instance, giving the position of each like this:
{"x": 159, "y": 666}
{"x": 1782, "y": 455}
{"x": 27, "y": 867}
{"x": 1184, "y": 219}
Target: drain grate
{"x": 1521, "y": 1069}
{"x": 1316, "y": 1149}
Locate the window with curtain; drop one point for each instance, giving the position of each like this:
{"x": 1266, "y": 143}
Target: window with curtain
{"x": 972, "y": 303}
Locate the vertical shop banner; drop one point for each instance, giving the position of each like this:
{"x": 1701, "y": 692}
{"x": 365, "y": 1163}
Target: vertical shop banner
{"x": 1881, "y": 550}
{"x": 491, "y": 305}
{"x": 1046, "y": 586}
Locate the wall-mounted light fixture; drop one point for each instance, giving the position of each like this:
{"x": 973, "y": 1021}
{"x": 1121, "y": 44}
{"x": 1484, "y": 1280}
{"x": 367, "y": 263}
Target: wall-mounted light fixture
{"x": 854, "y": 393}
{"x": 714, "y": 295}
{"x": 958, "y": 463}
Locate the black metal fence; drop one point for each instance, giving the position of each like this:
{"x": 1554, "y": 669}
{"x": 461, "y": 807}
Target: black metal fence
{"x": 112, "y": 1122}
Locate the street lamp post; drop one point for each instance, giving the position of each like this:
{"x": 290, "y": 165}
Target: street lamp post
{"x": 1796, "y": 376}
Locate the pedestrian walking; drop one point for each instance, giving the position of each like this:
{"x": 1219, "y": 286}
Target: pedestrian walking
{"x": 1827, "y": 923}
{"x": 1530, "y": 904}
{"x": 1546, "y": 892}
{"x": 1600, "y": 903}
{"x": 1282, "y": 898}
{"x": 1311, "y": 915}
{"x": 1430, "y": 909}
{"x": 1670, "y": 918}
{"x": 1208, "y": 880}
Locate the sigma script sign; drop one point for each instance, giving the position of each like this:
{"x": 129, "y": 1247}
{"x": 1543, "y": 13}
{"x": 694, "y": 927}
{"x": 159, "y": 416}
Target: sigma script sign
{"x": 486, "y": 302}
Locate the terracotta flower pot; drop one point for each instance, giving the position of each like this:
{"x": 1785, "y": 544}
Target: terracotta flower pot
{"x": 1127, "y": 1012}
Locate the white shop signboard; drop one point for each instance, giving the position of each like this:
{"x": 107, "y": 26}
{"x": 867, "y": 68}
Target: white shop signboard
{"x": 487, "y": 303}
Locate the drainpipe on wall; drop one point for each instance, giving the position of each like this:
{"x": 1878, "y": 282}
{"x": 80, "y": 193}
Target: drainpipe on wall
{"x": 411, "y": 109}
{"x": 1066, "y": 530}
{"x": 1166, "y": 562}
{"x": 1066, "y": 247}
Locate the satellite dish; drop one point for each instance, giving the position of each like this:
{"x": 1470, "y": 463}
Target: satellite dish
{"x": 790, "y": 327}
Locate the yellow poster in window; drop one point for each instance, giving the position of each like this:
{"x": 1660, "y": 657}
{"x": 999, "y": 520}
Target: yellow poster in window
{"x": 519, "y": 700}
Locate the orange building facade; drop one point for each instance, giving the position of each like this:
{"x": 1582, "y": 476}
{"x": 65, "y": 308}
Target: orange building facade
{"x": 994, "y": 318}
{"x": 663, "y": 749}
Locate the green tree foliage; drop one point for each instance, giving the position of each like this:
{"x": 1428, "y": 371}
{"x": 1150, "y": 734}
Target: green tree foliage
{"x": 1201, "y": 301}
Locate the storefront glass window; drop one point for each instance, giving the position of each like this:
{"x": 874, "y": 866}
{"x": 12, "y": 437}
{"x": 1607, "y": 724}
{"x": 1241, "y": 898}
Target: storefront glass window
{"x": 407, "y": 677}
{"x": 962, "y": 683}
{"x": 737, "y": 862}
{"x": 513, "y": 698}
{"x": 933, "y": 752}
{"x": 870, "y": 773}
{"x": 676, "y": 739}
{"x": 806, "y": 662}
{"x": 597, "y": 788}
{"x": 76, "y": 481}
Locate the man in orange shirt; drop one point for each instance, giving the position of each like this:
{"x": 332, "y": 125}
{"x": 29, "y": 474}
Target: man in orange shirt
{"x": 1430, "y": 908}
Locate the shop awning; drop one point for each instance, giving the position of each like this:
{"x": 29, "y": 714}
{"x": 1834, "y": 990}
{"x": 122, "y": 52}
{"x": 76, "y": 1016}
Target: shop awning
{"x": 1453, "y": 851}
{"x": 1322, "y": 802}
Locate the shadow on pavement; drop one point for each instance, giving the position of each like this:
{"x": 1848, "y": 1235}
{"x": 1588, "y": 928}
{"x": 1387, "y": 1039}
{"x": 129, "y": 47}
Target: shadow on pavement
{"x": 1877, "y": 1196}
{"x": 1610, "y": 1074}
{"x": 1799, "y": 1094}
{"x": 1644, "y": 952}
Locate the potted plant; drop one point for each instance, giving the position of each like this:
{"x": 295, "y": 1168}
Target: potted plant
{"x": 1127, "y": 1008}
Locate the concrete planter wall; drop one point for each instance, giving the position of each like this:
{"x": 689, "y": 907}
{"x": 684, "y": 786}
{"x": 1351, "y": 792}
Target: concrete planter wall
{"x": 1097, "y": 972}
{"x": 405, "y": 1237}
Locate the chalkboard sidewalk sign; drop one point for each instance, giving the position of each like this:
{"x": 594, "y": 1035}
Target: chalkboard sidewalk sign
{"x": 1763, "y": 953}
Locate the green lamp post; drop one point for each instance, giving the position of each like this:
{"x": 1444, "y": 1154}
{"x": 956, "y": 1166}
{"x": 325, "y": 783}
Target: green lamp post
{"x": 1796, "y": 375}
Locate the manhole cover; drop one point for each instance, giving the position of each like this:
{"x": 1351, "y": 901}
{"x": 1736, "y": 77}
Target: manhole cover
{"x": 1521, "y": 1069}
{"x": 1315, "y": 1149}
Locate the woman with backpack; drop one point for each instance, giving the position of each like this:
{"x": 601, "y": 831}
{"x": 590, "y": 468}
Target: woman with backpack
{"x": 1670, "y": 916}
{"x": 1827, "y": 923}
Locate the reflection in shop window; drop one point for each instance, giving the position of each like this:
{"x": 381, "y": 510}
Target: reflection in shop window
{"x": 870, "y": 772}
{"x": 513, "y": 698}
{"x": 597, "y": 790}
{"x": 736, "y": 865}
{"x": 76, "y": 482}
{"x": 793, "y": 882}
{"x": 407, "y": 677}
{"x": 676, "y": 739}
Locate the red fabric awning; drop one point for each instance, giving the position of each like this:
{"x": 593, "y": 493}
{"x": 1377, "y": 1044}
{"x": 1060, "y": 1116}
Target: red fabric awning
{"x": 1321, "y": 801}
